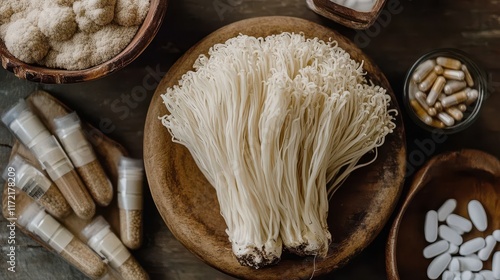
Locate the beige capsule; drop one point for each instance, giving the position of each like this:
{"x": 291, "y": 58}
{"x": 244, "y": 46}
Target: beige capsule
{"x": 468, "y": 76}
{"x": 420, "y": 112}
{"x": 427, "y": 83}
{"x": 448, "y": 62}
{"x": 462, "y": 107}
{"x": 438, "y": 69}
{"x": 472, "y": 95}
{"x": 446, "y": 119}
{"x": 454, "y": 74}
{"x": 454, "y": 86}
{"x": 438, "y": 124}
{"x": 455, "y": 113}
{"x": 423, "y": 70}
{"x": 438, "y": 106}
{"x": 436, "y": 90}
{"x": 454, "y": 99}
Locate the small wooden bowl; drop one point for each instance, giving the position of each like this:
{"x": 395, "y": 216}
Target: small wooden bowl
{"x": 462, "y": 175}
{"x": 188, "y": 203}
{"x": 41, "y": 74}
{"x": 344, "y": 15}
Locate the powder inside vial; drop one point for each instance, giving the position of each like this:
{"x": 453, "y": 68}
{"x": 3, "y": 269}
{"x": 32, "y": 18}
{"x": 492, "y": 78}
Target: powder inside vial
{"x": 76, "y": 194}
{"x": 54, "y": 202}
{"x": 69, "y": 34}
{"x": 131, "y": 228}
{"x": 83, "y": 258}
{"x": 97, "y": 182}
{"x": 131, "y": 270}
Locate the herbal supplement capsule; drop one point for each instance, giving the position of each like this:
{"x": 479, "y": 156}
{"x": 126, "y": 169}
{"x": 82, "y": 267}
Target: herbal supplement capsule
{"x": 487, "y": 274}
{"x": 454, "y": 99}
{"x": 436, "y": 248}
{"x": 462, "y": 107}
{"x": 470, "y": 263}
{"x": 437, "y": 124}
{"x": 34, "y": 219}
{"x": 448, "y": 275}
{"x": 455, "y": 113}
{"x": 467, "y": 275}
{"x": 454, "y": 86}
{"x": 496, "y": 235}
{"x": 436, "y": 89}
{"x": 25, "y": 125}
{"x": 431, "y": 226}
{"x": 438, "y": 69}
{"x": 63, "y": 174}
{"x": 446, "y": 209}
{"x": 454, "y": 220}
{"x": 108, "y": 245}
{"x": 472, "y": 246}
{"x": 448, "y": 62}
{"x": 427, "y": 83}
{"x": 432, "y": 112}
{"x": 484, "y": 254}
{"x": 472, "y": 96}
{"x": 495, "y": 264}
{"x": 438, "y": 266}
{"x": 453, "y": 249}
{"x": 130, "y": 201}
{"x": 81, "y": 153}
{"x": 420, "y": 112}
{"x": 423, "y": 70}
{"x": 446, "y": 119}
{"x": 450, "y": 235}
{"x": 420, "y": 97}
{"x": 468, "y": 76}
{"x": 438, "y": 106}
{"x": 477, "y": 215}
{"x": 454, "y": 75}
{"x": 37, "y": 186}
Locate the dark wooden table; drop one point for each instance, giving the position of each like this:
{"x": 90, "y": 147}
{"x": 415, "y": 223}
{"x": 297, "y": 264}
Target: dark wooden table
{"x": 116, "y": 105}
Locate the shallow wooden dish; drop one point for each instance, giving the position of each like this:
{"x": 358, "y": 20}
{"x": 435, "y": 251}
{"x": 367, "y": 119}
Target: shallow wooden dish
{"x": 41, "y": 74}
{"x": 188, "y": 203}
{"x": 346, "y": 16}
{"x": 463, "y": 175}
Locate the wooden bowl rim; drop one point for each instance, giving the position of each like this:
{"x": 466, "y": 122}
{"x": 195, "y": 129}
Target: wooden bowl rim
{"x": 36, "y": 73}
{"x": 349, "y": 17}
{"x": 154, "y": 152}
{"x": 488, "y": 163}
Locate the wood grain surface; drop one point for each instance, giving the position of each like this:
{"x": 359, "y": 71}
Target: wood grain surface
{"x": 118, "y": 103}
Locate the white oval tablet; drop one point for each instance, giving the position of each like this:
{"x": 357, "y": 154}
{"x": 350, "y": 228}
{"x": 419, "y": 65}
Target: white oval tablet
{"x": 436, "y": 248}
{"x": 472, "y": 246}
{"x": 438, "y": 266}
{"x": 485, "y": 253}
{"x": 448, "y": 275}
{"x": 446, "y": 209}
{"x": 496, "y": 235}
{"x": 453, "y": 249}
{"x": 431, "y": 226}
{"x": 454, "y": 265}
{"x": 495, "y": 265}
{"x": 470, "y": 263}
{"x": 467, "y": 275}
{"x": 478, "y": 276}
{"x": 450, "y": 235}
{"x": 459, "y": 222}
{"x": 487, "y": 274}
{"x": 477, "y": 215}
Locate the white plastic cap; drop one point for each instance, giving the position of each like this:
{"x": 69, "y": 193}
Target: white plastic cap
{"x": 95, "y": 228}
{"x": 14, "y": 112}
{"x": 18, "y": 164}
{"x": 130, "y": 164}
{"x": 30, "y": 215}
{"x": 52, "y": 157}
{"x": 66, "y": 124}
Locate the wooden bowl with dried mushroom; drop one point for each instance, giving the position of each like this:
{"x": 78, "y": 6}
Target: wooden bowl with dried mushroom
{"x": 197, "y": 211}
{"x": 71, "y": 41}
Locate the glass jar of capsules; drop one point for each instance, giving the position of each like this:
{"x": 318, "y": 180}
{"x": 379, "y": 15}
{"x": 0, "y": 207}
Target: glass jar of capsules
{"x": 444, "y": 90}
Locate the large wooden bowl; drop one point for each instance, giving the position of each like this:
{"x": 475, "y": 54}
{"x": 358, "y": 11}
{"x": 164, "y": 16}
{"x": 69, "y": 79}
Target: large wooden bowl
{"x": 188, "y": 203}
{"x": 41, "y": 74}
{"x": 462, "y": 175}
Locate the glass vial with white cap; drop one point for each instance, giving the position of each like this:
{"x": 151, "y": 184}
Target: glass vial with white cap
{"x": 62, "y": 173}
{"x": 81, "y": 153}
{"x": 100, "y": 238}
{"x": 130, "y": 200}
{"x": 37, "y": 186}
{"x": 34, "y": 219}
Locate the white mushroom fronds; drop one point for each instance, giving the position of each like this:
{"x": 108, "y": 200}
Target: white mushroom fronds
{"x": 270, "y": 121}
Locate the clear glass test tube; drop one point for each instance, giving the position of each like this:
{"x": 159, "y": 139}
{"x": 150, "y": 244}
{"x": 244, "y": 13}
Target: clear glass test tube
{"x": 130, "y": 201}
{"x": 81, "y": 153}
{"x": 37, "y": 186}
{"x": 100, "y": 238}
{"x": 34, "y": 219}
{"x": 61, "y": 171}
